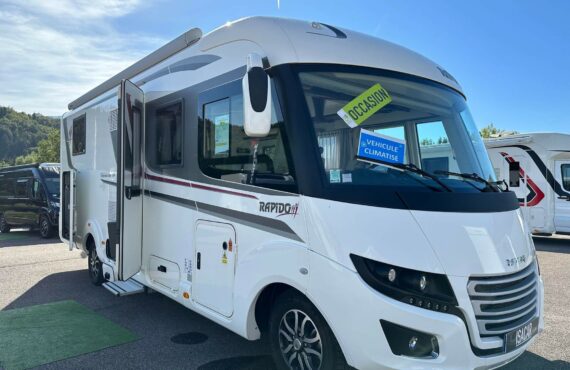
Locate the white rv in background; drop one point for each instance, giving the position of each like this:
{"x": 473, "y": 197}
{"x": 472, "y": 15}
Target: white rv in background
{"x": 536, "y": 167}
{"x": 278, "y": 177}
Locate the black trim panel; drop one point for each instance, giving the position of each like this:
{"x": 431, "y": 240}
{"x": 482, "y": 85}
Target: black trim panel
{"x": 460, "y": 202}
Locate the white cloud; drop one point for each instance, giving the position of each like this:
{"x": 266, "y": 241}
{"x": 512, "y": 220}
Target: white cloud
{"x": 51, "y": 52}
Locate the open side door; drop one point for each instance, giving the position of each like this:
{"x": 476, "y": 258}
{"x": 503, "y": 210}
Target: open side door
{"x": 67, "y": 213}
{"x": 129, "y": 171}
{"x": 561, "y": 200}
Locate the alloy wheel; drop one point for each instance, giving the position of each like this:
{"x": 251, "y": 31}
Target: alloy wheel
{"x": 300, "y": 341}
{"x": 44, "y": 227}
{"x": 94, "y": 262}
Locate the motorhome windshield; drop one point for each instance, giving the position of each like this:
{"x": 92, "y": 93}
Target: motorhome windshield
{"x": 423, "y": 135}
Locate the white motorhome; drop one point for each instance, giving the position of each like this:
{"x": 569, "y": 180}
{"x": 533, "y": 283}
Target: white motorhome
{"x": 268, "y": 175}
{"x": 536, "y": 166}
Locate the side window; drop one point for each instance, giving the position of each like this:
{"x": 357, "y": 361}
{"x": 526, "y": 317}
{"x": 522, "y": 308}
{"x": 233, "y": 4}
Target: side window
{"x": 37, "y": 190}
{"x": 436, "y": 153}
{"x": 6, "y": 187}
{"x": 227, "y": 153}
{"x": 514, "y": 174}
{"x": 22, "y": 188}
{"x": 169, "y": 135}
{"x": 78, "y": 136}
{"x": 565, "y": 169}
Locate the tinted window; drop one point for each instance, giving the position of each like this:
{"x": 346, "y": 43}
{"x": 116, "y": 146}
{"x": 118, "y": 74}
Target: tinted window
{"x": 227, "y": 153}
{"x": 79, "y": 136}
{"x": 514, "y": 174}
{"x": 52, "y": 185}
{"x": 6, "y": 187}
{"x": 169, "y": 135}
{"x": 22, "y": 188}
{"x": 37, "y": 190}
{"x": 566, "y": 176}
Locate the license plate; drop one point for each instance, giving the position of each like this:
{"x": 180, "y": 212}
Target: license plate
{"x": 521, "y": 335}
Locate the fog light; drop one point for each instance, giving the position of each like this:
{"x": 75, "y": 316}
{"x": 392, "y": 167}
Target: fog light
{"x": 392, "y": 275}
{"x": 410, "y": 342}
{"x": 423, "y": 282}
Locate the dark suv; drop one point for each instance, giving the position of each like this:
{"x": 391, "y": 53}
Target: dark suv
{"x": 29, "y": 197}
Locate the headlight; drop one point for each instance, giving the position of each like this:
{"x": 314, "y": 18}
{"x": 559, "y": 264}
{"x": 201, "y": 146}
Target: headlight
{"x": 54, "y": 204}
{"x": 421, "y": 289}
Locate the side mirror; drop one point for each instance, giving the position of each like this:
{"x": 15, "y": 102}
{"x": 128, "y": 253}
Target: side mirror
{"x": 256, "y": 98}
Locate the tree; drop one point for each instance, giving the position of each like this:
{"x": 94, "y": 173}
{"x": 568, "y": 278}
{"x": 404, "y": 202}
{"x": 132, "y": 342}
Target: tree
{"x": 46, "y": 151}
{"x": 426, "y": 142}
{"x": 20, "y": 133}
{"x": 491, "y": 131}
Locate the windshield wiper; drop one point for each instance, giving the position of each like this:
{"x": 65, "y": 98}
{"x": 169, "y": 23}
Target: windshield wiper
{"x": 470, "y": 176}
{"x": 408, "y": 167}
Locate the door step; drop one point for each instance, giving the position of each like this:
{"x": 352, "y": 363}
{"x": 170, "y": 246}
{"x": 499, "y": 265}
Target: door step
{"x": 121, "y": 288}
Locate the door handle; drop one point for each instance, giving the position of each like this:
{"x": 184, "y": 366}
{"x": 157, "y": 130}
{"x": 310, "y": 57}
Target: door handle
{"x": 161, "y": 268}
{"x": 564, "y": 197}
{"x": 131, "y": 191}
{"x": 198, "y": 260}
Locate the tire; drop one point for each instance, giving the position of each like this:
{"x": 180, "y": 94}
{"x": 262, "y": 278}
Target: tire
{"x": 310, "y": 340}
{"x": 46, "y": 229}
{"x": 95, "y": 267}
{"x": 4, "y": 227}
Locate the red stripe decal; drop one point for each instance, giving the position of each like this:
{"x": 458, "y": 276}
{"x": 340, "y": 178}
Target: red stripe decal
{"x": 167, "y": 180}
{"x": 204, "y": 187}
{"x": 197, "y": 186}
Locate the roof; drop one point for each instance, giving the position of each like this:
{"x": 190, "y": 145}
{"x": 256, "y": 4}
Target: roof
{"x": 289, "y": 41}
{"x": 298, "y": 41}
{"x": 548, "y": 140}
{"x": 30, "y": 165}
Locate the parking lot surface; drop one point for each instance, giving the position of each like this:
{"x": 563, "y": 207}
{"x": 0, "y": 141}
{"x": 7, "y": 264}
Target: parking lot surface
{"x": 34, "y": 271}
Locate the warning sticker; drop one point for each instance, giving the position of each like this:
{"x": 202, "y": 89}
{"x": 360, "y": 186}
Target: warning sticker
{"x": 364, "y": 105}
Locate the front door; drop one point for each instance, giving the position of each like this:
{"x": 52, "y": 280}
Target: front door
{"x": 129, "y": 249}
{"x": 562, "y": 202}
{"x": 215, "y": 258}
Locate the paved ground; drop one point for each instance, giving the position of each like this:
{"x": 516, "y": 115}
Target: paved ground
{"x": 33, "y": 271}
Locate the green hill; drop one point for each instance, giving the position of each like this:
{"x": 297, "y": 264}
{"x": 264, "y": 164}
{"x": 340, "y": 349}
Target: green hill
{"x": 26, "y": 138}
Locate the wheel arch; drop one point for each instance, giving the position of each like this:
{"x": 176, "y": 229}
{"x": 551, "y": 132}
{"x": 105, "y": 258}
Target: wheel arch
{"x": 93, "y": 232}
{"x": 265, "y": 300}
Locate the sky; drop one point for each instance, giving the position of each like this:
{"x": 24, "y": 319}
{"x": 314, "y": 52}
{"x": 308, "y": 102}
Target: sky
{"x": 512, "y": 57}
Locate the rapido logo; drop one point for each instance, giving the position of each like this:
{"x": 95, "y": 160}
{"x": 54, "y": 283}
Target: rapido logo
{"x": 282, "y": 209}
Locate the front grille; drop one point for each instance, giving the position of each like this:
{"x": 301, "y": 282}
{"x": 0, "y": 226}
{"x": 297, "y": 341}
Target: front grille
{"x": 503, "y": 303}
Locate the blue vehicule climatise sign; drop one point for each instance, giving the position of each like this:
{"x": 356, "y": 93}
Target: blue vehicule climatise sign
{"x": 381, "y": 147}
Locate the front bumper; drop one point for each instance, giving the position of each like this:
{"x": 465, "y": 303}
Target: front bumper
{"x": 353, "y": 311}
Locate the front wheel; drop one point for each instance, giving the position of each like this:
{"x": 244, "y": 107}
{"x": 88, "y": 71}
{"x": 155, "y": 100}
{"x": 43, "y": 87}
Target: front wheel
{"x": 46, "y": 230}
{"x": 4, "y": 227}
{"x": 95, "y": 267}
{"x": 300, "y": 338}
